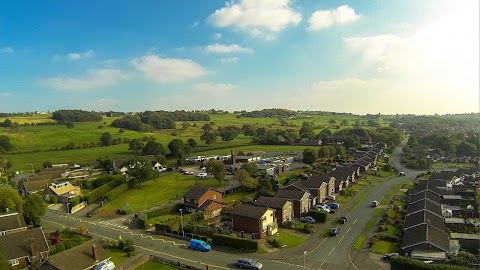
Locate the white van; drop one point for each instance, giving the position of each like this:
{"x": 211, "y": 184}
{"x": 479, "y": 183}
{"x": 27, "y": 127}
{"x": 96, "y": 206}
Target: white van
{"x": 202, "y": 175}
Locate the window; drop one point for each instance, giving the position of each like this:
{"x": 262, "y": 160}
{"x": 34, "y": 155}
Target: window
{"x": 214, "y": 197}
{"x": 13, "y": 262}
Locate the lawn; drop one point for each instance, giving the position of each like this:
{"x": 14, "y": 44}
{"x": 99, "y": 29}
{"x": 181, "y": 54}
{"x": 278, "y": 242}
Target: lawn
{"x": 384, "y": 247}
{"x": 399, "y": 203}
{"x": 290, "y": 240}
{"x": 164, "y": 189}
{"x": 384, "y": 201}
{"x": 360, "y": 241}
{"x": 363, "y": 183}
{"x": 392, "y": 230}
{"x": 237, "y": 196}
{"x": 117, "y": 256}
{"x": 283, "y": 177}
{"x": 343, "y": 198}
{"x": 371, "y": 224}
{"x": 409, "y": 185}
{"x": 401, "y": 193}
{"x": 378, "y": 212}
{"x": 154, "y": 265}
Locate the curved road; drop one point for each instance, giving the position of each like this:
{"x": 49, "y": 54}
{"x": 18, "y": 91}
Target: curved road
{"x": 326, "y": 253}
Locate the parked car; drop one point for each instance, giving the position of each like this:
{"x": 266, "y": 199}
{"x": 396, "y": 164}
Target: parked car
{"x": 308, "y": 219}
{"x": 342, "y": 220}
{"x": 334, "y": 231}
{"x": 331, "y": 197}
{"x": 402, "y": 174}
{"x": 388, "y": 256}
{"x": 334, "y": 205}
{"x": 199, "y": 245}
{"x": 249, "y": 264}
{"x": 374, "y": 203}
{"x": 187, "y": 173}
{"x": 323, "y": 207}
{"x": 202, "y": 175}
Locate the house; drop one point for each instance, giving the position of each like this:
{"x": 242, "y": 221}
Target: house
{"x": 300, "y": 199}
{"x": 12, "y": 223}
{"x": 31, "y": 187}
{"x": 119, "y": 164}
{"x": 64, "y": 191}
{"x": 319, "y": 187}
{"x": 24, "y": 248}
{"x": 156, "y": 166}
{"x": 425, "y": 242}
{"x": 256, "y": 220}
{"x": 283, "y": 207}
{"x": 83, "y": 257}
{"x": 200, "y": 198}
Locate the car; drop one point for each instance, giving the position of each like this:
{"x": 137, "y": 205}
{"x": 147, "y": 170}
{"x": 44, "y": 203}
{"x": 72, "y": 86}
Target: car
{"x": 187, "y": 173}
{"x": 331, "y": 197}
{"x": 202, "y": 175}
{"x": 342, "y": 220}
{"x": 323, "y": 208}
{"x": 334, "y": 231}
{"x": 199, "y": 245}
{"x": 388, "y": 256}
{"x": 374, "y": 203}
{"x": 308, "y": 219}
{"x": 249, "y": 264}
{"x": 334, "y": 205}
{"x": 402, "y": 174}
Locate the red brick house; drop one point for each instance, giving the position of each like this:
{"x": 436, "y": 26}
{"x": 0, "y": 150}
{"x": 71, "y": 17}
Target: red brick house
{"x": 256, "y": 220}
{"x": 283, "y": 207}
{"x": 200, "y": 198}
{"x": 300, "y": 199}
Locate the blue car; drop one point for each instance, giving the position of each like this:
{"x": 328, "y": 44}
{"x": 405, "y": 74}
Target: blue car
{"x": 199, "y": 245}
{"x": 334, "y": 205}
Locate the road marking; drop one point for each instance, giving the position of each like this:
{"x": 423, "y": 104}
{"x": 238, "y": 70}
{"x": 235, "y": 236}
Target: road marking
{"x": 321, "y": 264}
{"x": 341, "y": 239}
{"x": 296, "y": 265}
{"x": 355, "y": 221}
{"x": 349, "y": 229}
{"x": 331, "y": 252}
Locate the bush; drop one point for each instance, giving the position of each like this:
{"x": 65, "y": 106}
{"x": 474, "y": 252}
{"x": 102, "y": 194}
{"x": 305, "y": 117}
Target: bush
{"x": 116, "y": 192}
{"x": 275, "y": 242}
{"x": 318, "y": 215}
{"x": 386, "y": 237}
{"x": 163, "y": 211}
{"x": 54, "y": 199}
{"x": 288, "y": 225}
{"x": 406, "y": 263}
{"x": 101, "y": 191}
{"x": 235, "y": 242}
{"x": 74, "y": 201}
{"x": 309, "y": 228}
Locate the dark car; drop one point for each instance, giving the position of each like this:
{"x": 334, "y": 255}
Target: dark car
{"x": 342, "y": 220}
{"x": 388, "y": 256}
{"x": 334, "y": 205}
{"x": 249, "y": 264}
{"x": 308, "y": 219}
{"x": 334, "y": 231}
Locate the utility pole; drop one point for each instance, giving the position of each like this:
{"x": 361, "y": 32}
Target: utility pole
{"x": 181, "y": 220}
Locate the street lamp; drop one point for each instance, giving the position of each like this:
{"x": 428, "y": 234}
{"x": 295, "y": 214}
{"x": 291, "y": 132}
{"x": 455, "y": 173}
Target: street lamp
{"x": 32, "y": 168}
{"x": 68, "y": 216}
{"x": 181, "y": 220}
{"x": 304, "y": 255}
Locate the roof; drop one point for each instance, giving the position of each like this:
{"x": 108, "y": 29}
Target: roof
{"x": 210, "y": 204}
{"x": 79, "y": 257}
{"x": 425, "y": 233}
{"x": 12, "y": 221}
{"x": 446, "y": 175}
{"x": 426, "y": 194}
{"x": 66, "y": 189}
{"x": 19, "y": 244}
{"x": 424, "y": 217}
{"x": 316, "y": 180}
{"x": 470, "y": 236}
{"x": 36, "y": 185}
{"x": 454, "y": 220}
{"x": 424, "y": 204}
{"x": 272, "y": 202}
{"x": 296, "y": 195}
{"x": 250, "y": 211}
{"x": 196, "y": 192}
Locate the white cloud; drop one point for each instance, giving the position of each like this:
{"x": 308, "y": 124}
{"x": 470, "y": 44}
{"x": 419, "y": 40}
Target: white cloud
{"x": 94, "y": 79}
{"x": 77, "y": 56}
{"x": 6, "y": 94}
{"x": 219, "y": 89}
{"x": 259, "y": 18}
{"x": 217, "y": 35}
{"x": 229, "y": 60}
{"x": 165, "y": 70}
{"x": 221, "y": 48}
{"x": 322, "y": 19}
{"x": 7, "y": 50}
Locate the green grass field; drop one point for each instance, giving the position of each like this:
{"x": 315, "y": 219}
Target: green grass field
{"x": 392, "y": 230}
{"x": 288, "y": 239}
{"x": 237, "y": 196}
{"x": 384, "y": 247}
{"x": 164, "y": 189}
{"x": 117, "y": 256}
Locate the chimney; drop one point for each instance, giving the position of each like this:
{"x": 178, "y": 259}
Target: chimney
{"x": 233, "y": 156}
{"x": 32, "y": 247}
{"x": 95, "y": 253}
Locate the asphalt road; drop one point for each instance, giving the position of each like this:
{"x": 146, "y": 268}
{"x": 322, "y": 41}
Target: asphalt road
{"x": 328, "y": 253}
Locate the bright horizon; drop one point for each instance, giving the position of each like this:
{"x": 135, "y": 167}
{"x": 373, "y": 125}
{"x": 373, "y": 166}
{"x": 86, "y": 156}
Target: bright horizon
{"x": 360, "y": 57}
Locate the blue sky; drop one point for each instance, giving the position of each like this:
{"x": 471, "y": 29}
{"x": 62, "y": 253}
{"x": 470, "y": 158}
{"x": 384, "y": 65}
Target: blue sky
{"x": 396, "y": 56}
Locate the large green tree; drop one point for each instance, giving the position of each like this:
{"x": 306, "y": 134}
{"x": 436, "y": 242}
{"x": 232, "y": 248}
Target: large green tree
{"x": 140, "y": 168}
{"x": 216, "y": 168}
{"x": 209, "y": 137}
{"x": 33, "y": 208}
{"x": 177, "y": 148}
{"x": 5, "y": 144}
{"x": 250, "y": 167}
{"x": 153, "y": 148}
{"x": 11, "y": 199}
{"x": 106, "y": 139}
{"x": 136, "y": 145}
{"x": 309, "y": 156}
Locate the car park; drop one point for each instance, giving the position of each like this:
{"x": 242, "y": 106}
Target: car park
{"x": 387, "y": 257}
{"x": 323, "y": 207}
{"x": 199, "y": 245}
{"x": 308, "y": 219}
{"x": 202, "y": 175}
{"x": 342, "y": 220}
{"x": 374, "y": 203}
{"x": 331, "y": 197}
{"x": 334, "y": 231}
{"x": 334, "y": 205}
{"x": 249, "y": 264}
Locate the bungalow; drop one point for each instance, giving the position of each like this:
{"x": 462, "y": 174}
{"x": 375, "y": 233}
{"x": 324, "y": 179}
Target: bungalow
{"x": 300, "y": 199}
{"x": 64, "y": 191}
{"x": 200, "y": 198}
{"x": 426, "y": 242}
{"x": 87, "y": 256}
{"x": 11, "y": 223}
{"x": 283, "y": 207}
{"x": 256, "y": 220}
{"x": 28, "y": 247}
{"x": 35, "y": 186}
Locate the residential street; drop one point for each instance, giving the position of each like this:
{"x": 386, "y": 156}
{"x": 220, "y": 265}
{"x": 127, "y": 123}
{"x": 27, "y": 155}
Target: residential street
{"x": 321, "y": 253}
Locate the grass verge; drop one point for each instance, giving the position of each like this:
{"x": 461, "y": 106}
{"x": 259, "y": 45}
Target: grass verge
{"x": 371, "y": 225}
{"x": 290, "y": 240}
{"x": 384, "y": 247}
{"x": 360, "y": 241}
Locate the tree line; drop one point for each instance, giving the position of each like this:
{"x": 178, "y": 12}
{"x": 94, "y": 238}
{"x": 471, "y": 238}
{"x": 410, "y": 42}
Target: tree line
{"x": 64, "y": 116}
